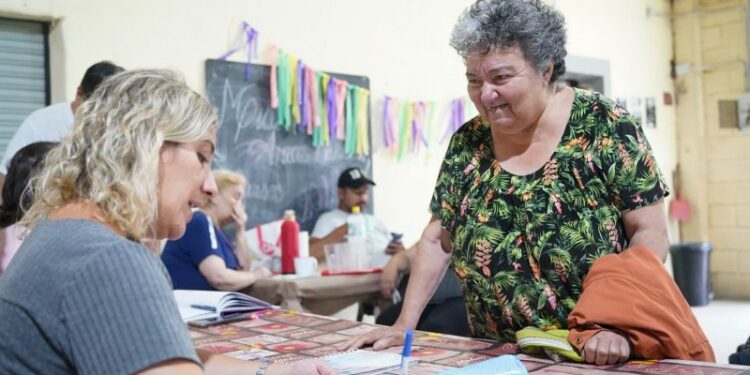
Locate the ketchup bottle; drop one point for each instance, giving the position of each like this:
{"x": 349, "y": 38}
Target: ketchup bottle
{"x": 289, "y": 242}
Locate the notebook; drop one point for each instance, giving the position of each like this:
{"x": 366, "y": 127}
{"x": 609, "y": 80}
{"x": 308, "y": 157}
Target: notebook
{"x": 504, "y": 364}
{"x": 364, "y": 362}
{"x": 206, "y": 304}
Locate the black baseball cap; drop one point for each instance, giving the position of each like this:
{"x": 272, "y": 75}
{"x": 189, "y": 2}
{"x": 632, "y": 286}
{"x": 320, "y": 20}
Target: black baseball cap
{"x": 353, "y": 178}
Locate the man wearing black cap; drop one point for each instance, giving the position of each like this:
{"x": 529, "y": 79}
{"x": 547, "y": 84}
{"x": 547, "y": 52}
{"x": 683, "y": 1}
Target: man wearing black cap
{"x": 353, "y": 187}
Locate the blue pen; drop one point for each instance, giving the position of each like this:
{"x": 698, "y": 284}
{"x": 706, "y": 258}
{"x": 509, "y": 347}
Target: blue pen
{"x": 204, "y": 307}
{"x": 406, "y": 352}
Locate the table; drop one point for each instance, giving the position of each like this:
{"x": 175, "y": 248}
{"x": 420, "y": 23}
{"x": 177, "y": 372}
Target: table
{"x": 323, "y": 295}
{"x": 283, "y": 335}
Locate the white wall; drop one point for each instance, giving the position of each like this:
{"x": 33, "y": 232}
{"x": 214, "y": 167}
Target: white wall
{"x": 639, "y": 49}
{"x": 401, "y": 45}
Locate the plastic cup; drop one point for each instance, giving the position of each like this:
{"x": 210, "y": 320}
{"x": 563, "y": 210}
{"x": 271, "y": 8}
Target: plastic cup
{"x": 344, "y": 257}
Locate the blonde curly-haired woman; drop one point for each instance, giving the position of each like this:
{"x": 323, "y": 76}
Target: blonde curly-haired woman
{"x": 83, "y": 295}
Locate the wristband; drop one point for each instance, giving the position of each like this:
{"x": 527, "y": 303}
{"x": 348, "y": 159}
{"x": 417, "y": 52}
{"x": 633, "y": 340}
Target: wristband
{"x": 263, "y": 366}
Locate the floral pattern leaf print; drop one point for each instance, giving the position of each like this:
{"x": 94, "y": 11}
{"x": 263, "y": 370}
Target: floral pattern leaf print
{"x": 522, "y": 245}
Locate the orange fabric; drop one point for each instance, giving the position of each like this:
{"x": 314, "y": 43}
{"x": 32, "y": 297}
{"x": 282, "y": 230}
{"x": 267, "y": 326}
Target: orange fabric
{"x": 632, "y": 293}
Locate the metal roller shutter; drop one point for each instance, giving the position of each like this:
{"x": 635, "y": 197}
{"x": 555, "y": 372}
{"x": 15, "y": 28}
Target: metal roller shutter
{"x": 23, "y": 74}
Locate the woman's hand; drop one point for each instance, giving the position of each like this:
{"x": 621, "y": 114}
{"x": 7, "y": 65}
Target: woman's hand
{"x": 394, "y": 247}
{"x": 261, "y": 273}
{"x": 313, "y": 366}
{"x": 380, "y": 338}
{"x": 606, "y": 348}
{"x": 239, "y": 216}
{"x": 388, "y": 279}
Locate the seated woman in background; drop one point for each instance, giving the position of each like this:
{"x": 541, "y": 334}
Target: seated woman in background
{"x": 204, "y": 258}
{"x": 83, "y": 295}
{"x": 22, "y": 166}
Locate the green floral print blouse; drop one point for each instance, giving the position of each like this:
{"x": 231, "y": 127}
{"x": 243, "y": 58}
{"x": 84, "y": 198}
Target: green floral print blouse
{"x": 522, "y": 245}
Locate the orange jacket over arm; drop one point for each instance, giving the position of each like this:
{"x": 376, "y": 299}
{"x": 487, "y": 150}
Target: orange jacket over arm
{"x": 632, "y": 293}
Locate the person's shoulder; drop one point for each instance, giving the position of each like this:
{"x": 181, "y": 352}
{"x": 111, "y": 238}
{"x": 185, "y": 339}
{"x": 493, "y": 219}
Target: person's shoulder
{"x": 606, "y": 113}
{"x": 199, "y": 222}
{"x": 54, "y": 112}
{"x": 471, "y": 133}
{"x": 84, "y": 250}
{"x": 376, "y": 220}
{"x": 117, "y": 249}
{"x": 327, "y": 222}
{"x": 122, "y": 262}
{"x": 331, "y": 215}
{"x": 93, "y": 239}
{"x": 199, "y": 217}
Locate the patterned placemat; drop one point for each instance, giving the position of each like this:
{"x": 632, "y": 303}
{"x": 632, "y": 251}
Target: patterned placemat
{"x": 282, "y": 336}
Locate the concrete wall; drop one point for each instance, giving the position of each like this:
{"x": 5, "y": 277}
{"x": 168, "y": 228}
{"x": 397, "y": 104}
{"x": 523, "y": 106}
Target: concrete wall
{"x": 401, "y": 45}
{"x": 711, "y": 48}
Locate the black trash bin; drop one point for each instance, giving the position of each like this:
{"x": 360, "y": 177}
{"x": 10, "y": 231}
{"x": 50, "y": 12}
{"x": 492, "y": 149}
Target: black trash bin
{"x": 691, "y": 267}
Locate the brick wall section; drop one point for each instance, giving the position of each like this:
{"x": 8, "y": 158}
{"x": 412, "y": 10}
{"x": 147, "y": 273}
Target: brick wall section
{"x": 714, "y": 162}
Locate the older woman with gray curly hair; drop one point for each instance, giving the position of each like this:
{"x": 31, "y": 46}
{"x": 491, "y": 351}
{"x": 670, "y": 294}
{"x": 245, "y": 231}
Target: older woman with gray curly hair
{"x": 543, "y": 182}
{"x": 83, "y": 295}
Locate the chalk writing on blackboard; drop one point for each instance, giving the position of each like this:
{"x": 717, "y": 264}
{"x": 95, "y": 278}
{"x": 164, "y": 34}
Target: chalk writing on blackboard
{"x": 283, "y": 169}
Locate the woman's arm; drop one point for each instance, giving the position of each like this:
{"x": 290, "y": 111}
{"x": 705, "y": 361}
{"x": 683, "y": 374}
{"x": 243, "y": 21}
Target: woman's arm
{"x": 223, "y": 278}
{"x": 647, "y": 227}
{"x": 428, "y": 267}
{"x": 398, "y": 264}
{"x": 317, "y": 244}
{"x": 173, "y": 367}
{"x": 242, "y": 249}
{"x": 215, "y": 363}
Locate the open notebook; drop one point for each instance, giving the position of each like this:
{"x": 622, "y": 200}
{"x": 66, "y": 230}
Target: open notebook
{"x": 364, "y": 362}
{"x": 205, "y": 304}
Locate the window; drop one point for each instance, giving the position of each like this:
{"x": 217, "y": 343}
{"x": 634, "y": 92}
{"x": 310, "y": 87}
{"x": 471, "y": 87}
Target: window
{"x": 24, "y": 73}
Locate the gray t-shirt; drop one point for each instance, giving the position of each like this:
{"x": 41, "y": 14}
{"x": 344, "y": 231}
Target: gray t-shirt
{"x": 78, "y": 298}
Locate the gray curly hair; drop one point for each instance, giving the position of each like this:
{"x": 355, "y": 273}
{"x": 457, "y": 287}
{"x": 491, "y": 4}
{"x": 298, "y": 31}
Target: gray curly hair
{"x": 536, "y": 28}
{"x": 111, "y": 157}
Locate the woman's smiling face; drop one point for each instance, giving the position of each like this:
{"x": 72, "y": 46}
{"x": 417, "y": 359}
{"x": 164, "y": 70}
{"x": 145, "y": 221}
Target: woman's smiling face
{"x": 506, "y": 88}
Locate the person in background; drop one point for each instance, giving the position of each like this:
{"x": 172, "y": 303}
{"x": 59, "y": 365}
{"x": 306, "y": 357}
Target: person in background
{"x": 83, "y": 295}
{"x": 742, "y": 355}
{"x": 331, "y": 227}
{"x": 445, "y": 312}
{"x": 25, "y": 163}
{"x": 55, "y": 121}
{"x": 204, "y": 258}
{"x": 545, "y": 181}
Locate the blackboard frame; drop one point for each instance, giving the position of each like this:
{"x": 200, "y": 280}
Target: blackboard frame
{"x": 284, "y": 170}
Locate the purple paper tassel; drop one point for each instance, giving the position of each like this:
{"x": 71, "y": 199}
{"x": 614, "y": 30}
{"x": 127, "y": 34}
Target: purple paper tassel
{"x": 331, "y": 108}
{"x": 387, "y": 122}
{"x": 456, "y": 118}
{"x": 300, "y": 96}
{"x": 251, "y": 41}
{"x": 252, "y": 49}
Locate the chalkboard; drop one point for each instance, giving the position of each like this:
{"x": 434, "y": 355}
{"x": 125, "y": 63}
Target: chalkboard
{"x": 283, "y": 169}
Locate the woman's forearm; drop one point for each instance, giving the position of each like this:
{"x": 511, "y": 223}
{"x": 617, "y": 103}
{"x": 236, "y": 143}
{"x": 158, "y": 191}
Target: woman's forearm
{"x": 427, "y": 269}
{"x": 222, "y": 278}
{"x": 242, "y": 250}
{"x": 215, "y": 363}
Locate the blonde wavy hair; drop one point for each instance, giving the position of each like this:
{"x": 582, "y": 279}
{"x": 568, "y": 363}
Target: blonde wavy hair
{"x": 224, "y": 179}
{"x": 111, "y": 157}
